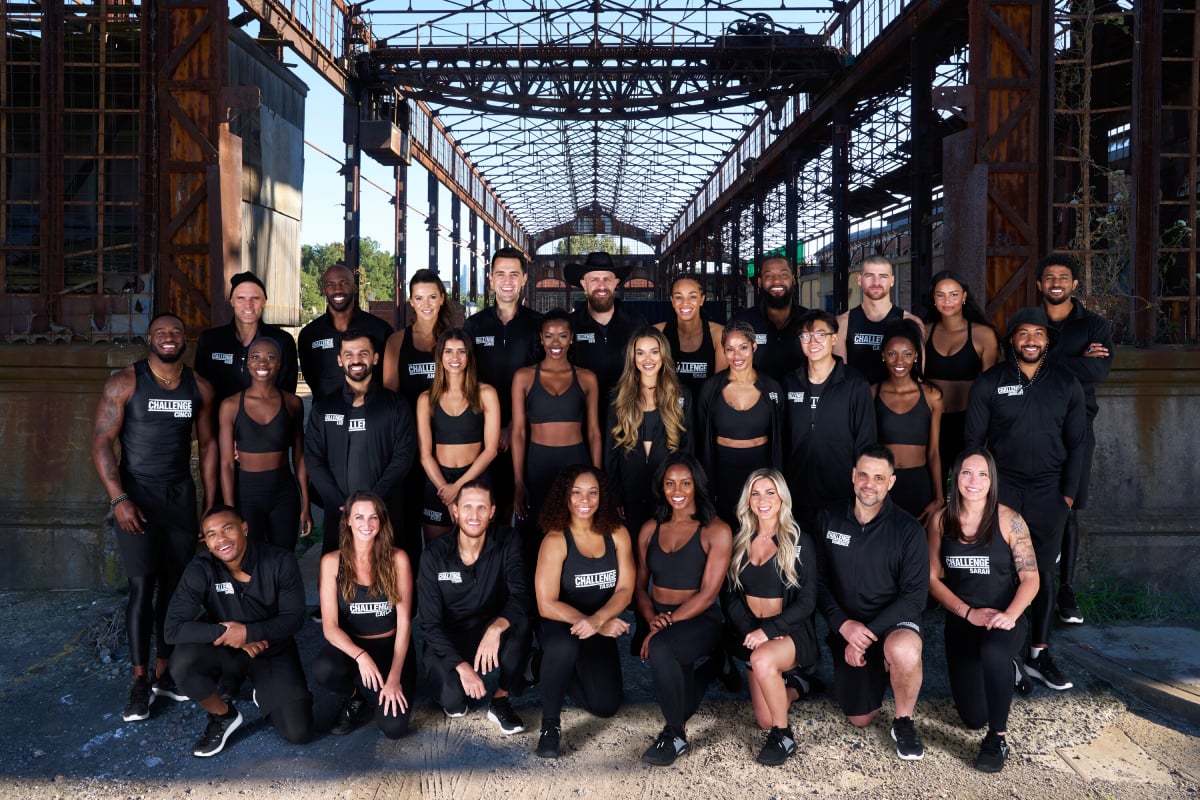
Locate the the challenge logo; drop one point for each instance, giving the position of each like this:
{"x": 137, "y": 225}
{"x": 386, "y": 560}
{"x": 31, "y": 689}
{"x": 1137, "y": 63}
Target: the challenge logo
{"x": 696, "y": 369}
{"x": 424, "y": 368}
{"x": 596, "y": 580}
{"x": 450, "y": 577}
{"x": 323, "y": 344}
{"x": 181, "y": 409}
{"x": 976, "y": 565}
{"x": 223, "y": 588}
{"x": 371, "y": 609}
{"x": 226, "y": 358}
{"x": 873, "y": 340}
{"x": 1010, "y": 391}
{"x": 589, "y": 338}
{"x": 840, "y": 539}
{"x": 359, "y": 424}
{"x": 485, "y": 341}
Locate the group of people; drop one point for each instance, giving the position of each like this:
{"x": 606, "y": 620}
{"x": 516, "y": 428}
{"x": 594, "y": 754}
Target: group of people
{"x": 724, "y": 483}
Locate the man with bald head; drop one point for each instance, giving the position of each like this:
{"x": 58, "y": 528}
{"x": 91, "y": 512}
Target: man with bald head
{"x": 318, "y": 341}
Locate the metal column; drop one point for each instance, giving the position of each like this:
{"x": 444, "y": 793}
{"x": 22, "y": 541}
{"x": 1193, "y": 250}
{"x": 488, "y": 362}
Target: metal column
{"x": 473, "y": 253}
{"x": 456, "y": 247}
{"x": 431, "y": 221}
{"x": 840, "y": 182}
{"x": 921, "y": 177}
{"x": 1145, "y": 182}
{"x": 791, "y": 209}
{"x": 401, "y": 236}
{"x": 351, "y": 172}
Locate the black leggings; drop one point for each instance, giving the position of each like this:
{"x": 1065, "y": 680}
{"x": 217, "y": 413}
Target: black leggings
{"x": 980, "y": 663}
{"x": 913, "y": 489}
{"x": 590, "y": 669}
{"x": 446, "y": 688}
{"x": 1070, "y": 544}
{"x": 337, "y": 672}
{"x": 270, "y": 504}
{"x": 733, "y": 467}
{"x": 674, "y": 651}
{"x": 280, "y": 689}
{"x": 1042, "y": 506}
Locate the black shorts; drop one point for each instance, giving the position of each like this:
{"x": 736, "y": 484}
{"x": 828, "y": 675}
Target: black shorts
{"x": 171, "y": 530}
{"x": 859, "y": 690}
{"x": 804, "y": 642}
{"x": 433, "y": 510}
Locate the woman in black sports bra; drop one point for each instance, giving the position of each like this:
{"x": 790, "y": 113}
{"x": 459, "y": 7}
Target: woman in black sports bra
{"x": 955, "y": 326}
{"x": 982, "y": 569}
{"x": 257, "y": 426}
{"x": 693, "y": 340}
{"x": 554, "y": 422}
{"x": 683, "y": 557}
{"x": 458, "y": 429}
{"x": 908, "y": 411}
{"x": 771, "y": 593}
{"x": 366, "y": 590}
{"x": 584, "y": 580}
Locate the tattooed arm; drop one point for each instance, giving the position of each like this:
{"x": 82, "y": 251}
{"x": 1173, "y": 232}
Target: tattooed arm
{"x": 1016, "y": 533}
{"x": 110, "y": 416}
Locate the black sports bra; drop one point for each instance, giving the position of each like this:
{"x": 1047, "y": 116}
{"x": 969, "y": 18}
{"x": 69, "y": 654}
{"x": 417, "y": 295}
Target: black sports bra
{"x": 962, "y": 365}
{"x": 752, "y": 423}
{"x": 541, "y": 406}
{"x": 682, "y": 570}
{"x": 911, "y": 427}
{"x": 762, "y": 580}
{"x": 464, "y": 428}
{"x": 252, "y": 436}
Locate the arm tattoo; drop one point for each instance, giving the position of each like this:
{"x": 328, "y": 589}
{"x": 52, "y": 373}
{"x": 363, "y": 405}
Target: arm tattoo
{"x": 1022, "y": 547}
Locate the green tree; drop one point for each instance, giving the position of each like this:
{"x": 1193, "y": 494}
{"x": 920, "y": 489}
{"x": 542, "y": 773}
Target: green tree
{"x": 376, "y": 270}
{"x": 590, "y": 243}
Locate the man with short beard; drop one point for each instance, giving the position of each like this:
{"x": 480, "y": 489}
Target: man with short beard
{"x": 360, "y": 438}
{"x": 862, "y": 327}
{"x": 775, "y": 319}
{"x": 602, "y": 327}
{"x": 153, "y": 407}
{"x": 1032, "y": 415}
{"x": 317, "y": 344}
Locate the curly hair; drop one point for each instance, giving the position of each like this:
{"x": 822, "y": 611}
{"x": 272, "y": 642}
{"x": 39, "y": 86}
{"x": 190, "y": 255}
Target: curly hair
{"x": 705, "y": 510}
{"x": 383, "y": 561}
{"x": 627, "y": 403}
{"x": 556, "y": 513}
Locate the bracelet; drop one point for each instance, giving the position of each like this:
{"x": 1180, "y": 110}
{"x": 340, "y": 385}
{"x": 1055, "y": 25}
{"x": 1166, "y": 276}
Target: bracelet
{"x": 116, "y": 501}
{"x": 967, "y": 616}
{"x": 360, "y": 654}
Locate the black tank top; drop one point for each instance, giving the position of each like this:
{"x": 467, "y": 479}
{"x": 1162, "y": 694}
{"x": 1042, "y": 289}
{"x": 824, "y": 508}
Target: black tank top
{"x": 541, "y": 406}
{"x": 681, "y": 570}
{"x": 696, "y": 367}
{"x": 964, "y": 365}
{"x": 864, "y": 342}
{"x": 466, "y": 428}
{"x": 416, "y": 369}
{"x": 911, "y": 427}
{"x": 762, "y": 580}
{"x": 156, "y": 436}
{"x": 752, "y": 423}
{"x": 588, "y": 583}
{"x": 983, "y": 577}
{"x": 366, "y": 614}
{"x": 251, "y": 436}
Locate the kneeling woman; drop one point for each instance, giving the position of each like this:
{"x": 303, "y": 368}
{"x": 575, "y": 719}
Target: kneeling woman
{"x": 366, "y": 606}
{"x": 683, "y": 557}
{"x": 983, "y": 570}
{"x": 584, "y": 579}
{"x": 772, "y": 593}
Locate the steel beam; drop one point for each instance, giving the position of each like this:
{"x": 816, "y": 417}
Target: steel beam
{"x": 431, "y": 221}
{"x": 921, "y": 172}
{"x": 1145, "y": 183}
{"x": 351, "y": 177}
{"x": 400, "y": 234}
{"x": 456, "y": 243}
{"x": 839, "y": 186}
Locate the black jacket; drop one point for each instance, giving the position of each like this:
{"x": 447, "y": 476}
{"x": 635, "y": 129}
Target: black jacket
{"x": 501, "y": 350}
{"x": 876, "y": 574}
{"x": 319, "y": 348}
{"x": 822, "y": 446}
{"x": 705, "y": 440}
{"x": 391, "y": 446}
{"x": 453, "y": 596}
{"x": 799, "y": 602}
{"x": 601, "y": 348}
{"x": 271, "y": 605}
{"x": 1036, "y": 431}
{"x": 779, "y": 349}
{"x": 631, "y": 473}
{"x": 221, "y": 359}
{"x": 1075, "y": 333}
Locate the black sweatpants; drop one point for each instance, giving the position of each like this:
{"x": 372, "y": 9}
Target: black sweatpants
{"x": 590, "y": 669}
{"x": 338, "y": 673}
{"x": 1042, "y": 506}
{"x": 980, "y": 663}
{"x": 1070, "y": 544}
{"x": 270, "y": 504}
{"x": 280, "y": 689}
{"x": 674, "y": 651}
{"x": 444, "y": 684}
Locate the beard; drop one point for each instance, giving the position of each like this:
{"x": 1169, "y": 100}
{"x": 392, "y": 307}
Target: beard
{"x": 601, "y": 305}
{"x": 346, "y": 370}
{"x": 782, "y": 301}
{"x": 171, "y": 358}
{"x": 1028, "y": 360}
{"x": 1056, "y": 301}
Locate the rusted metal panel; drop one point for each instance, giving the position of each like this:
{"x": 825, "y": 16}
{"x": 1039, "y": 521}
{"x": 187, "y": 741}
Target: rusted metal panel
{"x": 964, "y": 188}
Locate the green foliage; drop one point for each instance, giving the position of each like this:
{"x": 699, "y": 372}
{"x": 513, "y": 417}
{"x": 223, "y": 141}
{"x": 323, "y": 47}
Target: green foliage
{"x": 1108, "y": 600}
{"x": 376, "y": 268}
{"x": 590, "y": 243}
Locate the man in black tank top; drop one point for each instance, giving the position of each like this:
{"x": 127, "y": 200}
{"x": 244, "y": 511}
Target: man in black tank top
{"x": 154, "y": 407}
{"x": 602, "y": 327}
{"x": 862, "y": 327}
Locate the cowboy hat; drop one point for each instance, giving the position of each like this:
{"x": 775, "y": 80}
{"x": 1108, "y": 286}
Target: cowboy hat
{"x": 596, "y": 262}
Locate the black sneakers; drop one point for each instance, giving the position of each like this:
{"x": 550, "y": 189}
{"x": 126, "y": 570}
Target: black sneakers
{"x": 217, "y": 732}
{"x": 666, "y": 748}
{"x": 350, "y": 715}
{"x": 1068, "y": 608}
{"x": 908, "y": 743}
{"x": 550, "y": 742}
{"x": 164, "y": 686}
{"x": 1045, "y": 670}
{"x": 992, "y": 753}
{"x": 501, "y": 712}
{"x": 455, "y": 713}
{"x": 138, "y": 706}
{"x": 780, "y": 745}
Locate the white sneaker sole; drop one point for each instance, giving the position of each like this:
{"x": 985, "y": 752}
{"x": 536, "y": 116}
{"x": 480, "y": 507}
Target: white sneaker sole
{"x": 1033, "y": 672}
{"x": 176, "y": 696}
{"x": 135, "y": 717}
{"x": 902, "y": 756}
{"x": 1071, "y": 619}
{"x": 506, "y": 731}
{"x": 237, "y": 723}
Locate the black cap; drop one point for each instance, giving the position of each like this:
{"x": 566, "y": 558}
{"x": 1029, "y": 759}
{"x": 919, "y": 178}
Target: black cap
{"x": 242, "y": 277}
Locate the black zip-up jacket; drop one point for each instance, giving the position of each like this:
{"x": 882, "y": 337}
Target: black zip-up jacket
{"x": 779, "y": 349}
{"x": 1075, "y": 333}
{"x": 601, "y": 348}
{"x": 390, "y": 452}
{"x": 876, "y": 574}
{"x": 319, "y": 348}
{"x": 821, "y": 448}
{"x": 705, "y": 440}
{"x": 799, "y": 602}
{"x": 271, "y": 605}
{"x": 633, "y": 471}
{"x": 452, "y": 596}
{"x": 1036, "y": 431}
{"x": 221, "y": 359}
{"x": 501, "y": 350}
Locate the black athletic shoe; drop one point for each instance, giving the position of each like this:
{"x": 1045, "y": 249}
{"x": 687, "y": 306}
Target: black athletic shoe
{"x": 550, "y": 742}
{"x": 1068, "y": 608}
{"x": 220, "y": 727}
{"x": 666, "y": 748}
{"x": 138, "y": 706}
{"x": 1045, "y": 670}
{"x": 908, "y": 742}
{"x": 350, "y": 716}
{"x": 779, "y": 747}
{"x": 501, "y": 712}
{"x": 992, "y": 753}
{"x": 455, "y": 713}
{"x": 164, "y": 686}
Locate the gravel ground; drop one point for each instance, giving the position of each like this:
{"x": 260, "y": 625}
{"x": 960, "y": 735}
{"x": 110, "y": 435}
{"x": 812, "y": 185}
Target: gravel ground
{"x": 65, "y": 682}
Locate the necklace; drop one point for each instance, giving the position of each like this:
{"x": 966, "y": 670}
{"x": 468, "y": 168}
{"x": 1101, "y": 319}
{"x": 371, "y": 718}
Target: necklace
{"x": 165, "y": 381}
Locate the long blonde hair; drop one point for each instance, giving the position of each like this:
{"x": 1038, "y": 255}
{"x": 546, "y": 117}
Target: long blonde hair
{"x": 787, "y": 538}
{"x": 383, "y": 560}
{"x": 627, "y": 406}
